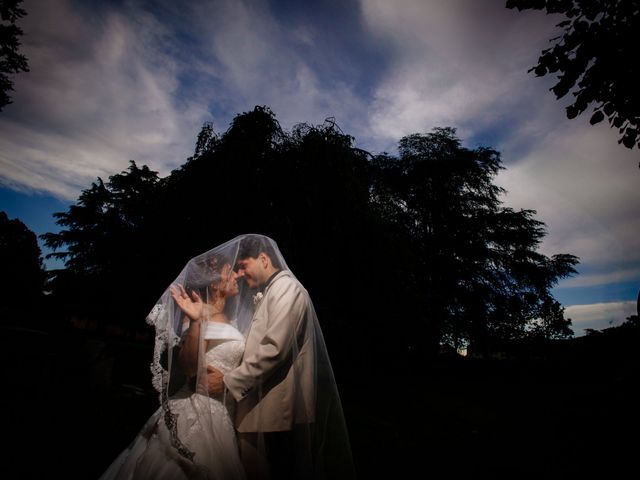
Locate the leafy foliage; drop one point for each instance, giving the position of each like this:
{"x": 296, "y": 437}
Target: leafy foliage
{"x": 422, "y": 238}
{"x": 108, "y": 246}
{"x": 11, "y": 61}
{"x": 475, "y": 271}
{"x": 133, "y": 233}
{"x": 596, "y": 59}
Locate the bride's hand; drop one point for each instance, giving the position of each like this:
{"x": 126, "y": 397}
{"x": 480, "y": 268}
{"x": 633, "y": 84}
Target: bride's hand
{"x": 215, "y": 381}
{"x": 191, "y": 306}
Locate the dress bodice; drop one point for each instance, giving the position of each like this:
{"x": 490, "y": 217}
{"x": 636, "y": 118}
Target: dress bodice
{"x": 225, "y": 345}
{"x": 224, "y": 354}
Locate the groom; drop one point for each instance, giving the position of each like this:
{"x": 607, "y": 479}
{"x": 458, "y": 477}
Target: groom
{"x": 274, "y": 383}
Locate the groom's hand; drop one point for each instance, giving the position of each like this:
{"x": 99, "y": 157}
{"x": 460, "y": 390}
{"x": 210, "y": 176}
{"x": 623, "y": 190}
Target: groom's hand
{"x": 214, "y": 379}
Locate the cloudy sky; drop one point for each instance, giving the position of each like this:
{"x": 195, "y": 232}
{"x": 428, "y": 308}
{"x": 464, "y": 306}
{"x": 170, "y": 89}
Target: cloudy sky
{"x": 130, "y": 79}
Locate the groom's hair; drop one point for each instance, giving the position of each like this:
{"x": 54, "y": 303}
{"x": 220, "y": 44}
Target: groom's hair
{"x": 254, "y": 245}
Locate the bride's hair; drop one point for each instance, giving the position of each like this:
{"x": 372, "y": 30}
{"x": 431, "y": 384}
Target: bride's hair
{"x": 205, "y": 273}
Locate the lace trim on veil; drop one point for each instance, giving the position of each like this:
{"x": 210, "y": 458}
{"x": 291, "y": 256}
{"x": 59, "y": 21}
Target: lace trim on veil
{"x": 165, "y": 338}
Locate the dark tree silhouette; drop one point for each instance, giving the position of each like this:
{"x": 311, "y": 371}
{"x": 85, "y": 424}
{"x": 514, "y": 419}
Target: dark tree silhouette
{"x": 422, "y": 238}
{"x": 307, "y": 189}
{"x": 472, "y": 268}
{"x": 22, "y": 279}
{"x": 108, "y": 248}
{"x": 596, "y": 59}
{"x": 11, "y": 60}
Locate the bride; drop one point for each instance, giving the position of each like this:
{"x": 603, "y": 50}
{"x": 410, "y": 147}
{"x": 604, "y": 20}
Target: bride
{"x": 191, "y": 436}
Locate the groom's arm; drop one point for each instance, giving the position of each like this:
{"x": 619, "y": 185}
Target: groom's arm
{"x": 286, "y": 305}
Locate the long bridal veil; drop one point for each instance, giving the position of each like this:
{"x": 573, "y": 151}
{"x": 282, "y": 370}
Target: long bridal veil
{"x": 321, "y": 445}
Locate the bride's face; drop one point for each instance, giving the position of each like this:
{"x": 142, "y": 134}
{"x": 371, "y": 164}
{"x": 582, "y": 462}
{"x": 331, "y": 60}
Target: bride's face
{"x": 228, "y": 285}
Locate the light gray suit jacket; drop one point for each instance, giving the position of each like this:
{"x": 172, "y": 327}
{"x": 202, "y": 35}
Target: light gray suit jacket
{"x": 274, "y": 384}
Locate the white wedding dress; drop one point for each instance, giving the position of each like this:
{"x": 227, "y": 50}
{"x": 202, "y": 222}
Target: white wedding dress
{"x": 204, "y": 426}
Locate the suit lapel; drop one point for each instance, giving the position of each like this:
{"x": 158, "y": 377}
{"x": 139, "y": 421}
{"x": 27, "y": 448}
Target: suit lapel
{"x": 281, "y": 273}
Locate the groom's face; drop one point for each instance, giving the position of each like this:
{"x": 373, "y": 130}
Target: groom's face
{"x": 252, "y": 270}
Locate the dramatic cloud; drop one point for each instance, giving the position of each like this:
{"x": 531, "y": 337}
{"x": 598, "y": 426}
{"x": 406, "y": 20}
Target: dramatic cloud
{"x": 599, "y": 315}
{"x": 113, "y": 81}
{"x": 459, "y": 63}
{"x": 126, "y": 83}
{"x": 100, "y": 92}
{"x": 584, "y": 187}
{"x": 464, "y": 64}
{"x": 256, "y": 60}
